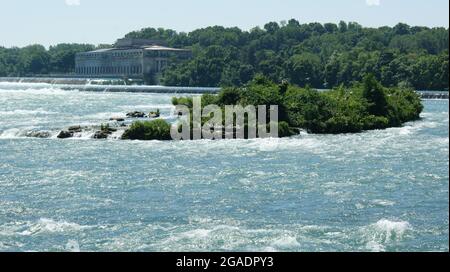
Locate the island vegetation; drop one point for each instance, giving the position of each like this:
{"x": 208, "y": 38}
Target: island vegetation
{"x": 157, "y": 129}
{"x": 319, "y": 55}
{"x": 365, "y": 105}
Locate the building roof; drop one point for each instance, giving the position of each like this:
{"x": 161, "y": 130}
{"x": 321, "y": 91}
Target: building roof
{"x": 101, "y": 50}
{"x": 162, "y": 48}
{"x": 136, "y": 42}
{"x": 147, "y": 48}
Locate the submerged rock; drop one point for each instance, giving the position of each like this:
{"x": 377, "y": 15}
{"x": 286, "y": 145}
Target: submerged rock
{"x": 101, "y": 134}
{"x": 136, "y": 114}
{"x": 65, "y": 134}
{"x": 74, "y": 129}
{"x": 38, "y": 134}
{"x": 118, "y": 119}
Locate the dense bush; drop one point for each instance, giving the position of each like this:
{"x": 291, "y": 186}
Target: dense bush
{"x": 148, "y": 130}
{"x": 364, "y": 106}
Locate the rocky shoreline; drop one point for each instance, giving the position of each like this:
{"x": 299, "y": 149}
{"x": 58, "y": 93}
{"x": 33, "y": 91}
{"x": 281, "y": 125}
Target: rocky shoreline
{"x": 115, "y": 125}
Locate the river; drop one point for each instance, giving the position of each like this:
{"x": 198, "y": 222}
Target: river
{"x": 384, "y": 190}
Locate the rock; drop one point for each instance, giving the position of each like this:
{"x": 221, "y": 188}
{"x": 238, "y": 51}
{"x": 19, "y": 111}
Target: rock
{"x": 154, "y": 114}
{"x": 107, "y": 129}
{"x": 118, "y": 119}
{"x": 65, "y": 134}
{"x": 38, "y": 134}
{"x": 104, "y": 131}
{"x": 136, "y": 114}
{"x": 101, "y": 134}
{"x": 74, "y": 129}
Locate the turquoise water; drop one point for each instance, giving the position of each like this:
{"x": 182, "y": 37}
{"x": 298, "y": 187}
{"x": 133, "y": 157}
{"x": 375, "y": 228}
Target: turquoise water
{"x": 375, "y": 191}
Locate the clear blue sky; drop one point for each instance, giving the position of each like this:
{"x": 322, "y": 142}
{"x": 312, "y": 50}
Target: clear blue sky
{"x": 48, "y": 22}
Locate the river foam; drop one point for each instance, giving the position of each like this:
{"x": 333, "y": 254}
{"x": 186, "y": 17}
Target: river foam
{"x": 384, "y": 232}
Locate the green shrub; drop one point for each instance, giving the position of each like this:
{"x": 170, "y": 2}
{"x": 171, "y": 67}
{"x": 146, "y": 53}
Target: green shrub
{"x": 375, "y": 122}
{"x": 374, "y": 93}
{"x": 148, "y": 130}
{"x": 186, "y": 101}
{"x": 284, "y": 130}
{"x": 307, "y": 108}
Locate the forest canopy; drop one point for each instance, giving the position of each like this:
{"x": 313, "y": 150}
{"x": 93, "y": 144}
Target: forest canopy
{"x": 317, "y": 55}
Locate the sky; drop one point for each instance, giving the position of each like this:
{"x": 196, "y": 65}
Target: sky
{"x": 48, "y": 22}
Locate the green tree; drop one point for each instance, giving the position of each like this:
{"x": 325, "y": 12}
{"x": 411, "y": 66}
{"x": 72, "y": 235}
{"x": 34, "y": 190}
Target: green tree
{"x": 373, "y": 92}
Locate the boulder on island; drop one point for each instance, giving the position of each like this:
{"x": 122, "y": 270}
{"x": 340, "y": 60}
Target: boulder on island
{"x": 136, "y": 114}
{"x": 104, "y": 131}
{"x": 154, "y": 114}
{"x": 101, "y": 134}
{"x": 118, "y": 119}
{"x": 74, "y": 129}
{"x": 65, "y": 134}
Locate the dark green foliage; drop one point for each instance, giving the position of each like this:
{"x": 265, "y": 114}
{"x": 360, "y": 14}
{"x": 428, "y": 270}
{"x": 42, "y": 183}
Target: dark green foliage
{"x": 321, "y": 56}
{"x": 284, "y": 130}
{"x": 186, "y": 101}
{"x": 229, "y": 96}
{"x": 374, "y": 94}
{"x": 62, "y": 56}
{"x": 36, "y": 60}
{"x": 364, "y": 106}
{"x": 403, "y": 105}
{"x": 148, "y": 130}
{"x": 307, "y": 108}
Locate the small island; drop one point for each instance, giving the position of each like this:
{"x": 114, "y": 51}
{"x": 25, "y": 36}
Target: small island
{"x": 366, "y": 105}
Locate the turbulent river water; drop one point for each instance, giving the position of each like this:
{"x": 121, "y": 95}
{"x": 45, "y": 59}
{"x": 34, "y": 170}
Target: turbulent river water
{"x": 384, "y": 190}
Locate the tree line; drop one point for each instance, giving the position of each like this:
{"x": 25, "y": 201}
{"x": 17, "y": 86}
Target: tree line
{"x": 313, "y": 54}
{"x": 37, "y": 60}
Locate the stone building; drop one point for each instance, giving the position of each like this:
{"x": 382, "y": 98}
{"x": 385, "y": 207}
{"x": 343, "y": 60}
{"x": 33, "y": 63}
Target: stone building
{"x": 129, "y": 58}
